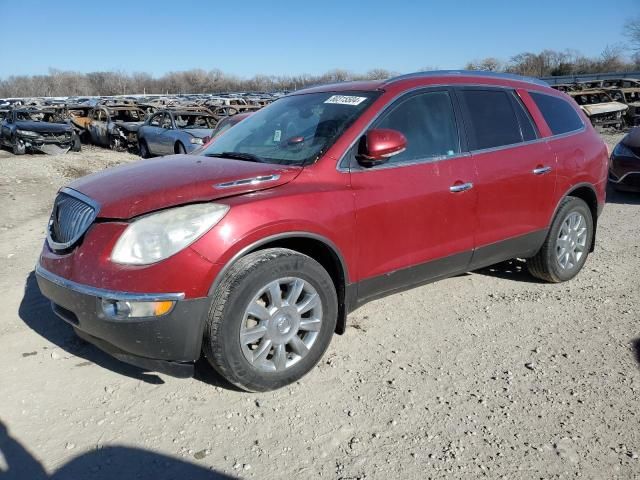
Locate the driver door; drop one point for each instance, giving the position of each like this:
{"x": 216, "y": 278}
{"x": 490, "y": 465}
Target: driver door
{"x": 415, "y": 213}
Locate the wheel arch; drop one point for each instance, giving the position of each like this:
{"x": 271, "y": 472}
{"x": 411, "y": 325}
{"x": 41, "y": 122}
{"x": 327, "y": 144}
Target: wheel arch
{"x": 587, "y": 193}
{"x": 175, "y": 145}
{"x": 320, "y": 248}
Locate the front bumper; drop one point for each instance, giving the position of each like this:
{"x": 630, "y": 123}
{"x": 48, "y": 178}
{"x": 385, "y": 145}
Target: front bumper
{"x": 169, "y": 343}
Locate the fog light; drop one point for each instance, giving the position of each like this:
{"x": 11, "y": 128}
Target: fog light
{"x": 120, "y": 309}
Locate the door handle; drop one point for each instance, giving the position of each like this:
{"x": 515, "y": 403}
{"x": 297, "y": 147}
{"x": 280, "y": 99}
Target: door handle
{"x": 460, "y": 187}
{"x": 541, "y": 170}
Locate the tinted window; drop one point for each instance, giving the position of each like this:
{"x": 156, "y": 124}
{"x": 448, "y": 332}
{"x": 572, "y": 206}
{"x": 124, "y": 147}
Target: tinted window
{"x": 527, "y": 126}
{"x": 492, "y": 119}
{"x": 428, "y": 122}
{"x": 558, "y": 113}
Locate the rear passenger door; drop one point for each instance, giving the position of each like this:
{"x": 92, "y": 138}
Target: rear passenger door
{"x": 415, "y": 213}
{"x": 515, "y": 174}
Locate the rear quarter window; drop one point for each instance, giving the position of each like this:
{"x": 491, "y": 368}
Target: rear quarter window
{"x": 558, "y": 113}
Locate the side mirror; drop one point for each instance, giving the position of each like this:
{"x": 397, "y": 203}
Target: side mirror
{"x": 378, "y": 145}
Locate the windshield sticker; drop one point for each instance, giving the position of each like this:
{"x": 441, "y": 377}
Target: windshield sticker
{"x": 345, "y": 100}
{"x": 276, "y": 135}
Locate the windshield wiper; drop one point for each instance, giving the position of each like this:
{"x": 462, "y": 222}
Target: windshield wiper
{"x": 249, "y": 157}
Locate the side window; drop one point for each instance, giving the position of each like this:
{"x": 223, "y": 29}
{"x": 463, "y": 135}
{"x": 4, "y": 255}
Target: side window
{"x": 558, "y": 113}
{"x": 492, "y": 119}
{"x": 155, "y": 120}
{"x": 428, "y": 122}
{"x": 527, "y": 125}
{"x": 166, "y": 121}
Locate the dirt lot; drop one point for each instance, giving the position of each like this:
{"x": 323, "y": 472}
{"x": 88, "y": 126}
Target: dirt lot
{"x": 487, "y": 374}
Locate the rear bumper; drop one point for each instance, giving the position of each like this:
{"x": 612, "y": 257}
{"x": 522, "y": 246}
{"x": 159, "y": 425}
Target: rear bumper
{"x": 169, "y": 343}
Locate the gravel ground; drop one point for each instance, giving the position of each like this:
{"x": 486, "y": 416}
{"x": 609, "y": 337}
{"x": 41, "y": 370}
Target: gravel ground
{"x": 486, "y": 374}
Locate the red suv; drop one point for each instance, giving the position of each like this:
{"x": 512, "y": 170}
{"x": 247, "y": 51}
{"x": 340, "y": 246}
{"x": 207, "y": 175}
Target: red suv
{"x": 255, "y": 250}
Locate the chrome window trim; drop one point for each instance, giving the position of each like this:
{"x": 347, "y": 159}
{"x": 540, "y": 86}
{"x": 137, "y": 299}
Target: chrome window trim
{"x": 346, "y": 169}
{"x": 104, "y": 293}
{"x": 57, "y": 246}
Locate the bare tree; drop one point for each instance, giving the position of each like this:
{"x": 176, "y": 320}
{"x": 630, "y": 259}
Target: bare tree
{"x": 632, "y": 32}
{"x": 489, "y": 64}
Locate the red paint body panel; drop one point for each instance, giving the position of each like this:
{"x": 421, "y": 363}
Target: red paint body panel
{"x": 153, "y": 184}
{"x": 513, "y": 201}
{"x": 407, "y": 216}
{"x": 380, "y": 220}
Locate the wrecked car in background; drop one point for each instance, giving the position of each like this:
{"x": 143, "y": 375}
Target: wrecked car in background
{"x": 228, "y": 122}
{"x": 624, "y": 164}
{"x": 174, "y": 131}
{"x": 115, "y": 126}
{"x": 601, "y": 109}
{"x": 25, "y": 130}
{"x": 631, "y": 98}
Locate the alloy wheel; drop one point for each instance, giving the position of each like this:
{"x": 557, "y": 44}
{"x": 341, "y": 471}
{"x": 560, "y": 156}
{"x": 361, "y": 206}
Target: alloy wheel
{"x": 572, "y": 241}
{"x": 281, "y": 324}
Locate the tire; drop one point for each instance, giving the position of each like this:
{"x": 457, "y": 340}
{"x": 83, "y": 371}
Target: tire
{"x": 144, "y": 149}
{"x": 76, "y": 146}
{"x": 18, "y": 148}
{"x": 239, "y": 289}
{"x": 180, "y": 150}
{"x": 547, "y": 264}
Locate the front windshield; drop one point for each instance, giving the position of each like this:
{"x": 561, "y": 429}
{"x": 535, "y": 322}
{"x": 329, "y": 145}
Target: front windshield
{"x": 293, "y": 130}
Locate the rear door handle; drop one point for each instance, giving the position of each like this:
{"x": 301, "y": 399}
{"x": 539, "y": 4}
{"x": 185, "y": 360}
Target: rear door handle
{"x": 460, "y": 187}
{"x": 541, "y": 170}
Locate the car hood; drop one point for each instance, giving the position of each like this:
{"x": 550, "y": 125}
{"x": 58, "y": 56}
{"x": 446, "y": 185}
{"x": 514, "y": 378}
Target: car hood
{"x": 43, "y": 127}
{"x": 607, "y": 107}
{"x": 147, "y": 185}
{"x": 198, "y": 132}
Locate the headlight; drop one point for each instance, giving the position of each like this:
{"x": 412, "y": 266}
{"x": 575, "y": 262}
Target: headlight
{"x": 27, "y": 133}
{"x": 197, "y": 141}
{"x": 160, "y": 235}
{"x": 622, "y": 150}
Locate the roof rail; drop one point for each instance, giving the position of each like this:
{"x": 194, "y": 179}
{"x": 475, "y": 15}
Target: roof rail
{"x": 469, "y": 73}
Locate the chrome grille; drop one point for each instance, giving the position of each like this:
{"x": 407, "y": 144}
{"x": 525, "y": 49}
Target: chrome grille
{"x": 72, "y": 215}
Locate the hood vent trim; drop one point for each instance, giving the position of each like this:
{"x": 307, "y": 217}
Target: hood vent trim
{"x": 248, "y": 181}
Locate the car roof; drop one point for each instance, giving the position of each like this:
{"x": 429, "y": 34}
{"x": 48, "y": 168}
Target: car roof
{"x": 433, "y": 77}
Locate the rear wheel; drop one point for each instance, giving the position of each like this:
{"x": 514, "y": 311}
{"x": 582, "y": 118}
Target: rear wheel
{"x": 568, "y": 243}
{"x": 271, "y": 320}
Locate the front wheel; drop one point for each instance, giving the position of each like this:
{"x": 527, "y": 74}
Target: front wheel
{"x": 180, "y": 148}
{"x": 568, "y": 243}
{"x": 271, "y": 320}
{"x": 17, "y": 147}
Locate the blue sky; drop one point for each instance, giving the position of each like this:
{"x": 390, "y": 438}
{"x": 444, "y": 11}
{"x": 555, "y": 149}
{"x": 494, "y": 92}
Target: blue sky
{"x": 292, "y": 37}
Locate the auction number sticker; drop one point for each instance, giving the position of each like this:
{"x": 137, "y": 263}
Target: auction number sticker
{"x": 345, "y": 100}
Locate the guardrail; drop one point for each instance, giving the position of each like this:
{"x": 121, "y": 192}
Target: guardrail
{"x": 588, "y": 77}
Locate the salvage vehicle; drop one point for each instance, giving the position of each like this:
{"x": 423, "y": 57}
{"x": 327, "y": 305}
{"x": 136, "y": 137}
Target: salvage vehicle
{"x": 115, "y": 126}
{"x": 255, "y": 250}
{"x": 174, "y": 131}
{"x": 227, "y": 122}
{"x": 28, "y": 130}
{"x": 624, "y": 164}
{"x": 631, "y": 98}
{"x": 600, "y": 108}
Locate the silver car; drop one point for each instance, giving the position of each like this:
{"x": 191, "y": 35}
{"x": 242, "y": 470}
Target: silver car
{"x": 174, "y": 131}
